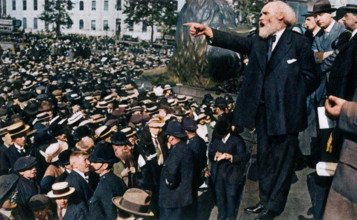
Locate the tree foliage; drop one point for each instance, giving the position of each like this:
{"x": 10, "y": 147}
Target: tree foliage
{"x": 249, "y": 11}
{"x": 152, "y": 12}
{"x": 56, "y": 13}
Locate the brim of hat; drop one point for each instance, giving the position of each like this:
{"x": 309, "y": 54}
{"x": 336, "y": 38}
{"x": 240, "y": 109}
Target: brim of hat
{"x": 27, "y": 127}
{"x": 53, "y": 196}
{"x": 112, "y": 129}
{"x": 179, "y": 135}
{"x": 323, "y": 11}
{"x": 156, "y": 125}
{"x": 118, "y": 199}
{"x": 101, "y": 160}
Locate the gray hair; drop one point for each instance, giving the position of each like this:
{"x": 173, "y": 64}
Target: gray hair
{"x": 288, "y": 13}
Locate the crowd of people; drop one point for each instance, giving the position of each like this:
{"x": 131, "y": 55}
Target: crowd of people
{"x": 81, "y": 140}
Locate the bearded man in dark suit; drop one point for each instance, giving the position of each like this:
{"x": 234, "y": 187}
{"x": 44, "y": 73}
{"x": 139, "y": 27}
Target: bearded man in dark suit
{"x": 279, "y": 76}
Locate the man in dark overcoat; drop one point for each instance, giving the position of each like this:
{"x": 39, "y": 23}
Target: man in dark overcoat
{"x": 109, "y": 186}
{"x": 175, "y": 195}
{"x": 279, "y": 76}
{"x": 227, "y": 154}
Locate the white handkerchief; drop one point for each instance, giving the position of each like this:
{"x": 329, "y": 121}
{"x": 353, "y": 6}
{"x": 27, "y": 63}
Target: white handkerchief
{"x": 291, "y": 61}
{"x": 324, "y": 121}
{"x": 141, "y": 161}
{"x": 326, "y": 168}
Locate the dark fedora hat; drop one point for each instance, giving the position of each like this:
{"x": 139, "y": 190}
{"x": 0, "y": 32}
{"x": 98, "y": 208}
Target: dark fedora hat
{"x": 24, "y": 163}
{"x": 135, "y": 201}
{"x": 63, "y": 157}
{"x": 322, "y": 6}
{"x": 119, "y": 138}
{"x": 103, "y": 153}
{"x": 174, "y": 128}
{"x": 351, "y": 6}
{"x": 189, "y": 124}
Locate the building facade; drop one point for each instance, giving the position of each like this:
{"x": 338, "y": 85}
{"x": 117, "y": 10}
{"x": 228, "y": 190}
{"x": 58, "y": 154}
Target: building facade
{"x": 90, "y": 17}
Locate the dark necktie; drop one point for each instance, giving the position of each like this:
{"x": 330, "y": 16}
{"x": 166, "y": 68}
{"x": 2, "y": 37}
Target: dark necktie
{"x": 270, "y": 42}
{"x": 22, "y": 152}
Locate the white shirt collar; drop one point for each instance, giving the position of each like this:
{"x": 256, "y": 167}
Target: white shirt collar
{"x": 224, "y": 139}
{"x": 328, "y": 29}
{"x": 18, "y": 147}
{"x": 353, "y": 33}
{"x": 277, "y": 38}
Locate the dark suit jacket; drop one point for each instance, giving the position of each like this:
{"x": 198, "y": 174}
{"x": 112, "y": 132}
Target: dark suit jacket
{"x": 9, "y": 157}
{"x": 75, "y": 212}
{"x": 198, "y": 147}
{"x": 83, "y": 191}
{"x": 343, "y": 76}
{"x": 234, "y": 171}
{"x": 283, "y": 83}
{"x": 176, "y": 178}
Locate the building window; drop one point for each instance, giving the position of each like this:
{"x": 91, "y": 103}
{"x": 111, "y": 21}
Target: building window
{"x": 92, "y": 25}
{"x": 35, "y": 25}
{"x": 94, "y": 5}
{"x": 118, "y": 5}
{"x": 81, "y": 6}
{"x": 24, "y": 5}
{"x": 105, "y": 5}
{"x": 24, "y": 23}
{"x": 81, "y": 24}
{"x": 14, "y": 5}
{"x": 35, "y": 7}
{"x": 131, "y": 26}
{"x": 105, "y": 25}
{"x": 145, "y": 27}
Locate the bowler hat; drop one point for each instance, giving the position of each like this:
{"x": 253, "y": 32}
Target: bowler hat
{"x": 39, "y": 202}
{"x": 220, "y": 103}
{"x": 174, "y": 128}
{"x": 119, "y": 138}
{"x": 24, "y": 163}
{"x": 103, "y": 153}
{"x": 135, "y": 201}
{"x": 189, "y": 124}
{"x": 322, "y": 6}
{"x": 7, "y": 185}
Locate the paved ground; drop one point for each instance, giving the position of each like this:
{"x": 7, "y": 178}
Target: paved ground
{"x": 298, "y": 201}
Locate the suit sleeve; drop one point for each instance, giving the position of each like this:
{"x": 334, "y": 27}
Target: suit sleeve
{"x": 172, "y": 170}
{"x": 348, "y": 118}
{"x": 240, "y": 156}
{"x": 307, "y": 65}
{"x": 232, "y": 42}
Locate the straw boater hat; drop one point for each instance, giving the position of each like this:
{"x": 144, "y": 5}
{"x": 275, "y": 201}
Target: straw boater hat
{"x": 59, "y": 190}
{"x": 128, "y": 131}
{"x": 156, "y": 122}
{"x": 97, "y": 118}
{"x": 103, "y": 131}
{"x": 135, "y": 201}
{"x": 19, "y": 128}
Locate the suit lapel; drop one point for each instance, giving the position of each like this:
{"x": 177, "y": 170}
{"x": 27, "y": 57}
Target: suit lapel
{"x": 261, "y": 53}
{"x": 279, "y": 51}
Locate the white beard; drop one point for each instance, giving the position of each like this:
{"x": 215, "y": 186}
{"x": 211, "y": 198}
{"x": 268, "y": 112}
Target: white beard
{"x": 268, "y": 29}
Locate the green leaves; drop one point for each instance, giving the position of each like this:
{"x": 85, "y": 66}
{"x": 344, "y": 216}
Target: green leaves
{"x": 56, "y": 13}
